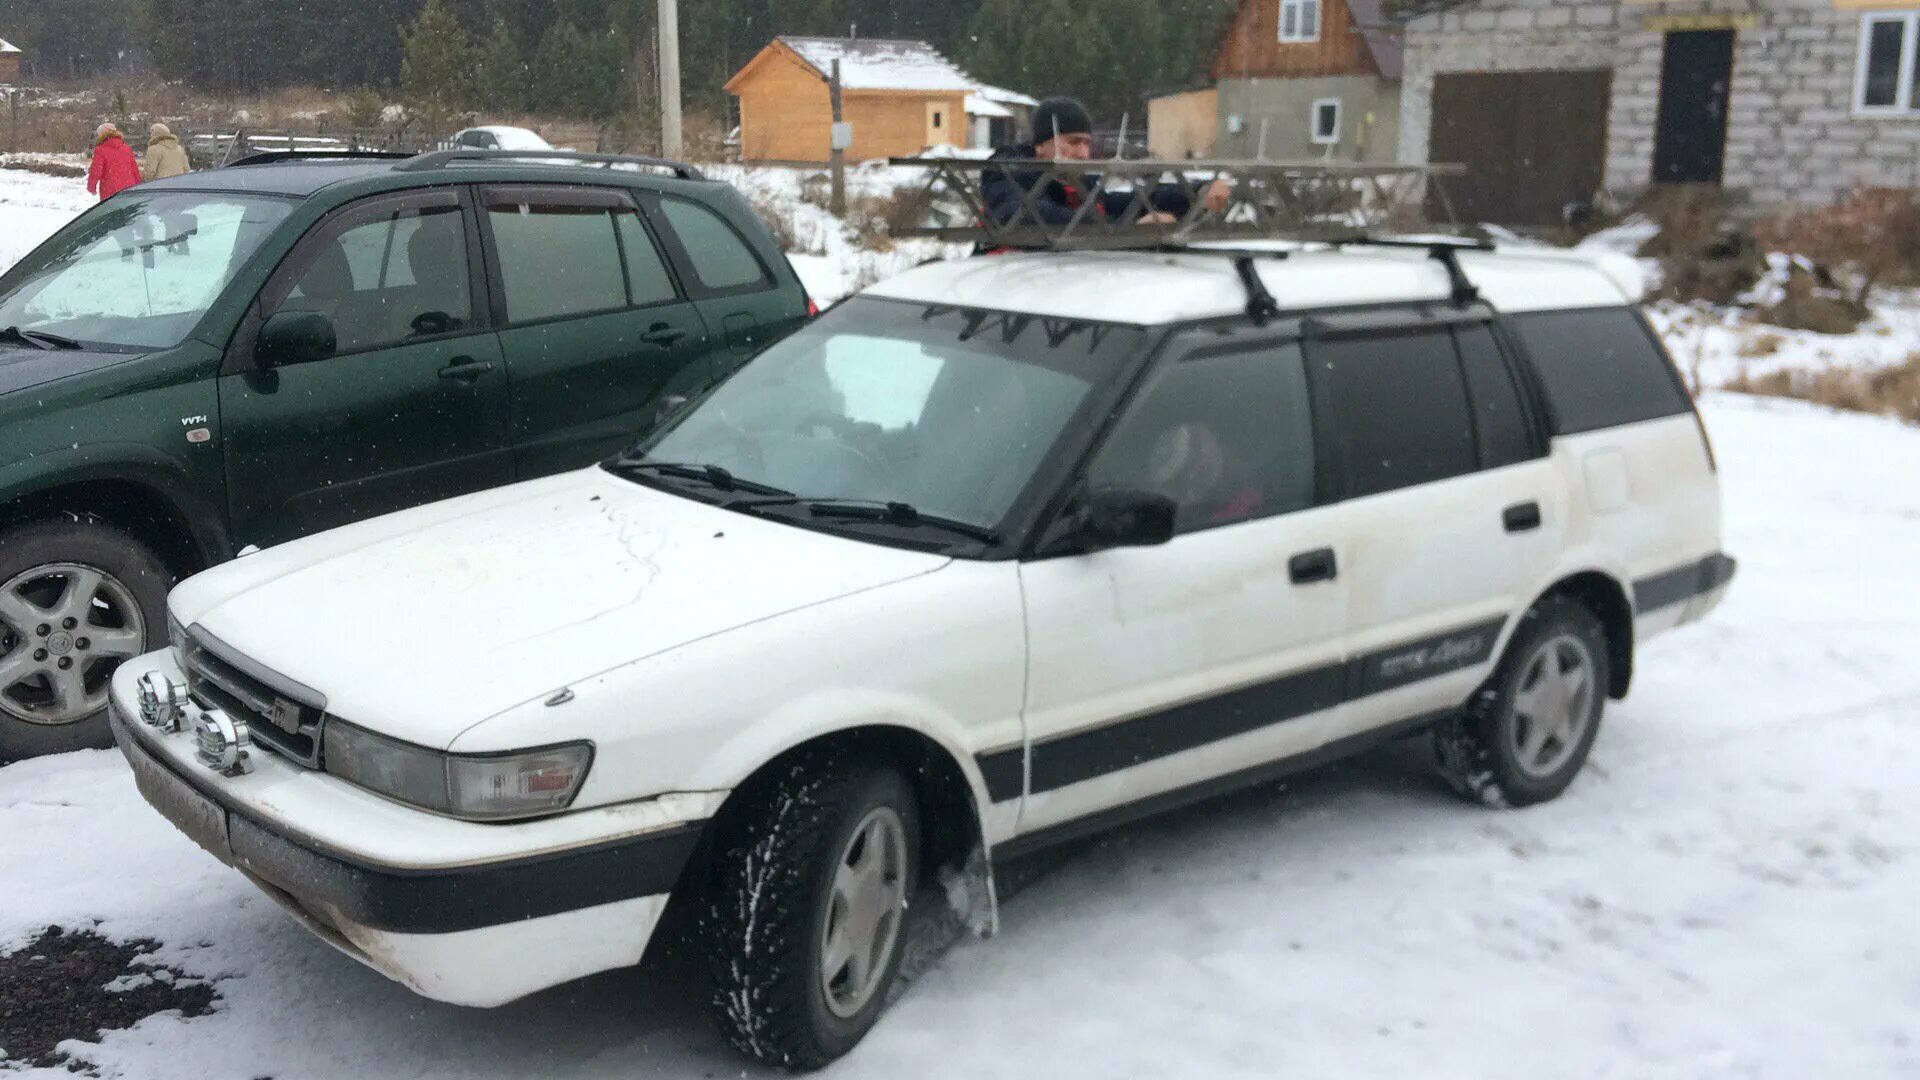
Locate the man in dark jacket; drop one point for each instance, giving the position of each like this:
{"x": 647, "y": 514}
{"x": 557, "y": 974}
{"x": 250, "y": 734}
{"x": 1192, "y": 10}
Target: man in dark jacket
{"x": 1063, "y": 131}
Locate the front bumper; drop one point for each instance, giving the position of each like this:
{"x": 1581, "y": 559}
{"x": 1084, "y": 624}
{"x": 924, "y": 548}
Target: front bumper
{"x": 481, "y": 933}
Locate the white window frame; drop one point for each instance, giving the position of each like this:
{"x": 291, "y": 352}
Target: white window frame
{"x": 1339, "y": 121}
{"x": 1299, "y": 9}
{"x": 1906, "y": 97}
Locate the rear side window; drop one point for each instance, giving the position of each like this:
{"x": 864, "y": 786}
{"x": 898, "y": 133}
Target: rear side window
{"x": 557, "y": 260}
{"x": 721, "y": 259}
{"x": 1497, "y": 416}
{"x": 647, "y": 277}
{"x": 1397, "y": 410}
{"x": 1229, "y": 438}
{"x": 1600, "y": 368}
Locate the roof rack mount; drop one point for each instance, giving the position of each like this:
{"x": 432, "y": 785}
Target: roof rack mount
{"x": 1299, "y": 201}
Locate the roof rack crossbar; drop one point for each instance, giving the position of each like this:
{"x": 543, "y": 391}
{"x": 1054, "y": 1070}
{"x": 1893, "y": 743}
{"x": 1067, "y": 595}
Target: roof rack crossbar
{"x": 440, "y": 159}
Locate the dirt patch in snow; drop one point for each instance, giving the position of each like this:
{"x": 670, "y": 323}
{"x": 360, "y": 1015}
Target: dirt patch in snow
{"x": 75, "y": 984}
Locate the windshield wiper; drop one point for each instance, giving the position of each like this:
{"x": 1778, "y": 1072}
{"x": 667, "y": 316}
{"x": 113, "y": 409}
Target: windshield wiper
{"x": 39, "y": 339}
{"x": 904, "y": 515}
{"x": 712, "y": 475}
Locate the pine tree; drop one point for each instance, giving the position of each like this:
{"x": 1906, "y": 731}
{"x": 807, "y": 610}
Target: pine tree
{"x": 437, "y": 72}
{"x": 558, "y": 65}
{"x": 501, "y": 74}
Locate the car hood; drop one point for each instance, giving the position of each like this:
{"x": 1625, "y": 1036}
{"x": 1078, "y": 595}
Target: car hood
{"x": 424, "y": 623}
{"x": 22, "y": 368}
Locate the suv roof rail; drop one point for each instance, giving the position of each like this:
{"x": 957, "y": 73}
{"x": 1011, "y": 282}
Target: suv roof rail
{"x": 273, "y": 157}
{"x": 440, "y": 159}
{"x": 1304, "y": 201}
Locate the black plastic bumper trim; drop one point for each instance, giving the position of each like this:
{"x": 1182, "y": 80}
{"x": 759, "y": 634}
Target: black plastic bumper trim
{"x": 441, "y": 900}
{"x": 1682, "y": 584}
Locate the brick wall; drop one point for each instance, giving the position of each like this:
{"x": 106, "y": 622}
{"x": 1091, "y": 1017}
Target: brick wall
{"x": 1792, "y": 135}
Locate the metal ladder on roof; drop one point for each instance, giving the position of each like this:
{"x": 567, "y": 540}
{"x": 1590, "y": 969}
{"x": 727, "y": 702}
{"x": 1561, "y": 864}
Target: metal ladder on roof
{"x": 1314, "y": 201}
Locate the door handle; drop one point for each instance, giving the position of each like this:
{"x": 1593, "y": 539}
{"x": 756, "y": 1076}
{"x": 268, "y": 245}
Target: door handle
{"x": 1522, "y": 518}
{"x": 664, "y": 335}
{"x": 466, "y": 369}
{"x": 1313, "y": 566}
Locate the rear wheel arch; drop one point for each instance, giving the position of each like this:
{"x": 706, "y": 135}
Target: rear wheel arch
{"x": 1604, "y": 595}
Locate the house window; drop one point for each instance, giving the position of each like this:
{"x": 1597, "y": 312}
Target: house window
{"x": 1326, "y": 121}
{"x": 1889, "y": 56}
{"x": 938, "y": 120}
{"x": 1299, "y": 20}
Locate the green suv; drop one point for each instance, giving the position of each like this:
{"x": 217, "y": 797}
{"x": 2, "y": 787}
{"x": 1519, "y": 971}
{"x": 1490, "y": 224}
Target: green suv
{"x": 235, "y": 358}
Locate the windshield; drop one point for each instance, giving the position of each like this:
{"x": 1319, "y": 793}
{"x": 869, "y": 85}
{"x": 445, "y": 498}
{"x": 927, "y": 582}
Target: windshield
{"x": 948, "y": 411}
{"x": 139, "y": 271}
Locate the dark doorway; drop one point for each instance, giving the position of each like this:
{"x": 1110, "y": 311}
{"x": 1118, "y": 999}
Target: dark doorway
{"x": 1534, "y": 144}
{"x": 1691, "y": 147}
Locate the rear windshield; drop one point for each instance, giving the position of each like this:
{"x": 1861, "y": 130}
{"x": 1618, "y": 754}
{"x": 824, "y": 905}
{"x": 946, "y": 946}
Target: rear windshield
{"x": 1601, "y": 369}
{"x": 139, "y": 270}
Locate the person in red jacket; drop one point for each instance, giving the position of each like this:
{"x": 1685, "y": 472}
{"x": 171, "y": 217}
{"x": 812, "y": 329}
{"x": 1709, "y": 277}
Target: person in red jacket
{"x": 115, "y": 166}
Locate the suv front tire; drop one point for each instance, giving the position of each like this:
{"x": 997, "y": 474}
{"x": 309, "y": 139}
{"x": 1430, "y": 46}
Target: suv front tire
{"x": 77, "y": 598}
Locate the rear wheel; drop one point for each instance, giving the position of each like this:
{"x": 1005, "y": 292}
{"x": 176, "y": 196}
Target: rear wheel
{"x": 807, "y": 908}
{"x": 1528, "y": 732}
{"x": 77, "y": 599}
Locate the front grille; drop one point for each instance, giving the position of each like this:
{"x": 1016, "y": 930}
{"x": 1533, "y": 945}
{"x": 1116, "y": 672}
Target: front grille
{"x": 288, "y": 723}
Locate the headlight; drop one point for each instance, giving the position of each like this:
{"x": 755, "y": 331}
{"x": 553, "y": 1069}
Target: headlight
{"x": 480, "y": 787}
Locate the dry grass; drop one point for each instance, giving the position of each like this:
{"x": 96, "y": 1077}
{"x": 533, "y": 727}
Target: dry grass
{"x": 1893, "y": 391}
{"x": 1703, "y": 254}
{"x": 42, "y": 166}
{"x": 1760, "y": 346}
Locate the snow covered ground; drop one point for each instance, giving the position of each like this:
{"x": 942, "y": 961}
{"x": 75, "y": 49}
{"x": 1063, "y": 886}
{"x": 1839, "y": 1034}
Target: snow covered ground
{"x": 33, "y": 207}
{"x": 1727, "y": 892}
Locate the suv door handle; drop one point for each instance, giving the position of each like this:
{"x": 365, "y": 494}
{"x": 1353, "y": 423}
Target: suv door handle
{"x": 664, "y": 335}
{"x": 1522, "y": 518}
{"x": 466, "y": 369}
{"x": 1313, "y": 566}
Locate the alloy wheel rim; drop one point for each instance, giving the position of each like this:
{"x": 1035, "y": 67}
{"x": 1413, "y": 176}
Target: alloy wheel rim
{"x": 1553, "y": 707}
{"x": 64, "y": 628}
{"x": 864, "y": 913}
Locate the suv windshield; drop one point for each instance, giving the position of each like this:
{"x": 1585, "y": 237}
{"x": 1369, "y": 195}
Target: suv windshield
{"x": 945, "y": 410}
{"x": 139, "y": 271}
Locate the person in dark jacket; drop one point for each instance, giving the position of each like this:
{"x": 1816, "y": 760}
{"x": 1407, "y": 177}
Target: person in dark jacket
{"x": 1063, "y": 131}
{"x": 115, "y": 166}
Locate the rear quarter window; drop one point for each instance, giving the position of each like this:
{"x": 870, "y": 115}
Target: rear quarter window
{"x": 1600, "y": 368}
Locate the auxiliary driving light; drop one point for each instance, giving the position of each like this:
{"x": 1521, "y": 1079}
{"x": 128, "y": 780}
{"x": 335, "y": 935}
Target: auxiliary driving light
{"x": 162, "y": 701}
{"x": 222, "y": 743}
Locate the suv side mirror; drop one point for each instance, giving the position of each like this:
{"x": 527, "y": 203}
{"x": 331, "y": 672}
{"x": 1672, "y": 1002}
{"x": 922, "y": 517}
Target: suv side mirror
{"x": 294, "y": 337}
{"x": 1124, "y": 517}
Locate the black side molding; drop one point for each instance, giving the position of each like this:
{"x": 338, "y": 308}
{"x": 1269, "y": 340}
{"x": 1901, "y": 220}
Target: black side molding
{"x": 1679, "y": 585}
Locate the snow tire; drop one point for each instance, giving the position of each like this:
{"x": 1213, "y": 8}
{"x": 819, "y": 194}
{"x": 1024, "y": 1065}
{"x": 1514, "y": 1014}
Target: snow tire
{"x": 774, "y": 861}
{"x": 1476, "y": 751}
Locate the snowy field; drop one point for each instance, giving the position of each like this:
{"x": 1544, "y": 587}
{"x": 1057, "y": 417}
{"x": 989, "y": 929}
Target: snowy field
{"x": 1727, "y": 892}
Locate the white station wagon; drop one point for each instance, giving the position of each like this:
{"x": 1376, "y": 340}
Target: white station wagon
{"x": 994, "y": 555}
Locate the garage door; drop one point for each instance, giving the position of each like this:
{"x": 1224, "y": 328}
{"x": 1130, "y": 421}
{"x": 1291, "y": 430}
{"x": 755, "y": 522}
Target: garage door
{"x": 1532, "y": 141}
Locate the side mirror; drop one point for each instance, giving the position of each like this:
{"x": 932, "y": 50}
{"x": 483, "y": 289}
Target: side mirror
{"x": 1124, "y": 517}
{"x": 294, "y": 337}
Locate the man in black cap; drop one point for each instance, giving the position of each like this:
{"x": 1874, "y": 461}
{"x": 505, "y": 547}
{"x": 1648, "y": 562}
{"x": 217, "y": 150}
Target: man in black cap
{"x": 1063, "y": 131}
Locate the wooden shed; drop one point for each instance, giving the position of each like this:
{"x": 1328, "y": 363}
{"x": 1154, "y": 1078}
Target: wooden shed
{"x": 9, "y": 63}
{"x": 901, "y": 97}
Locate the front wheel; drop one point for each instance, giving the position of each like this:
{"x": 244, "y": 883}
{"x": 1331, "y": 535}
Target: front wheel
{"x": 77, "y": 599}
{"x": 1527, "y": 733}
{"x": 807, "y": 909}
